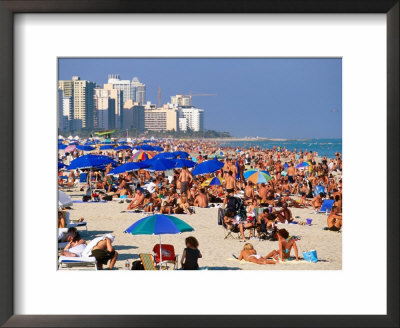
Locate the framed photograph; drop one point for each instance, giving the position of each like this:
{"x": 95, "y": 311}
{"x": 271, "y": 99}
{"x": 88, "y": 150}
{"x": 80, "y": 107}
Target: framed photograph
{"x": 180, "y": 131}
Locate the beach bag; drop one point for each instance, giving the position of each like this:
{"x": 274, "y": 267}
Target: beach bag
{"x": 108, "y": 198}
{"x": 86, "y": 198}
{"x": 310, "y": 256}
{"x": 137, "y": 265}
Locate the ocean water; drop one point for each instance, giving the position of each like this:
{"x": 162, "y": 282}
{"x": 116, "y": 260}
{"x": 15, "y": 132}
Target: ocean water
{"x": 324, "y": 147}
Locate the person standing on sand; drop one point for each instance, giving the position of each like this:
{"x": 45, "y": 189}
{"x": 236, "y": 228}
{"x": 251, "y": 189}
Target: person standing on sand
{"x": 191, "y": 254}
{"x": 291, "y": 172}
{"x": 185, "y": 178}
{"x": 230, "y": 183}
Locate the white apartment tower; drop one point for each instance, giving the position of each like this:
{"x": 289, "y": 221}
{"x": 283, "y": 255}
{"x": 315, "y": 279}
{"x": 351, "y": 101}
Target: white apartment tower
{"x": 191, "y": 118}
{"x": 138, "y": 91}
{"x": 83, "y": 103}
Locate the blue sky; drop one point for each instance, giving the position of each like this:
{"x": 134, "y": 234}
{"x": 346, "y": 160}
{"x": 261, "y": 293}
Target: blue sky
{"x": 265, "y": 97}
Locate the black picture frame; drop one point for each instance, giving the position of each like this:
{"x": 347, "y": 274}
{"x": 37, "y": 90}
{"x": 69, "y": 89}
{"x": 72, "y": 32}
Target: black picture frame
{"x": 10, "y": 7}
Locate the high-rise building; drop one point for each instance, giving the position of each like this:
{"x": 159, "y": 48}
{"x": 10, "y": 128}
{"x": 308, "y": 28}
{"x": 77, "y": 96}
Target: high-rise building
{"x": 105, "y": 109}
{"x": 81, "y": 104}
{"x": 138, "y": 91}
{"x": 161, "y": 119}
{"x": 122, "y": 85}
{"x": 133, "y": 116}
{"x": 194, "y": 118}
{"x": 117, "y": 96}
{"x": 181, "y": 101}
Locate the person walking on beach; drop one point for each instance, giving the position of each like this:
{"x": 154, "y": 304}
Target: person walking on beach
{"x": 185, "y": 178}
{"x": 191, "y": 254}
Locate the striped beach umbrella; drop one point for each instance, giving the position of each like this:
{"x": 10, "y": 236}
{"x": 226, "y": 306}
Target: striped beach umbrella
{"x": 257, "y": 176}
{"x": 142, "y": 155}
{"x": 215, "y": 181}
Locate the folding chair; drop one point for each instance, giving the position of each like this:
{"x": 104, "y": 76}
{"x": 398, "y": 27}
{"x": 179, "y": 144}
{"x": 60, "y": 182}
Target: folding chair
{"x": 228, "y": 232}
{"x": 147, "y": 261}
{"x": 168, "y": 256}
{"x": 326, "y": 206}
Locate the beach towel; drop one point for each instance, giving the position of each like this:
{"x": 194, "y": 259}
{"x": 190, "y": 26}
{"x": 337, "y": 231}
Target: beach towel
{"x": 287, "y": 261}
{"x": 88, "y": 250}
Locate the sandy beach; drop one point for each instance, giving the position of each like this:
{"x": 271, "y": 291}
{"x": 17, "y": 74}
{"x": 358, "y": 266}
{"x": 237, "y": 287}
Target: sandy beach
{"x": 217, "y": 252}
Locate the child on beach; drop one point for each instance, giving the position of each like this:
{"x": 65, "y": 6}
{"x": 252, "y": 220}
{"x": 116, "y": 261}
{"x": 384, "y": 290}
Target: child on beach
{"x": 191, "y": 254}
{"x": 249, "y": 254}
{"x": 285, "y": 246}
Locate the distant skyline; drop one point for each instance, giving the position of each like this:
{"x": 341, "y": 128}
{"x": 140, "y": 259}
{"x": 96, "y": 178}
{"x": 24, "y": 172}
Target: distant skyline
{"x": 265, "y": 97}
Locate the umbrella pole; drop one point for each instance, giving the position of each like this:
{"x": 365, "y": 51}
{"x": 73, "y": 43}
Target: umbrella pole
{"x": 159, "y": 236}
{"x": 90, "y": 182}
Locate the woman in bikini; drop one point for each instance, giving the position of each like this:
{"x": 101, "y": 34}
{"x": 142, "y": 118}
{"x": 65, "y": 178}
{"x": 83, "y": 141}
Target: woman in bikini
{"x": 285, "y": 246}
{"x": 249, "y": 254}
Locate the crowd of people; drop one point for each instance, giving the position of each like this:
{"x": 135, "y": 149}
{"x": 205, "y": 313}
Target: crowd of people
{"x": 179, "y": 192}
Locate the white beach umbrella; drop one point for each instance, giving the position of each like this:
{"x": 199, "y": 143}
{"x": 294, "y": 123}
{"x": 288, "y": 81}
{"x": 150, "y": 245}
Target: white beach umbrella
{"x": 60, "y": 137}
{"x": 63, "y": 199}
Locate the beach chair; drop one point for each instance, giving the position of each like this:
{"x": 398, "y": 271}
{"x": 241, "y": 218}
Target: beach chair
{"x": 326, "y": 206}
{"x": 70, "y": 223}
{"x": 168, "y": 256}
{"x": 69, "y": 262}
{"x": 147, "y": 261}
{"x": 228, "y": 232}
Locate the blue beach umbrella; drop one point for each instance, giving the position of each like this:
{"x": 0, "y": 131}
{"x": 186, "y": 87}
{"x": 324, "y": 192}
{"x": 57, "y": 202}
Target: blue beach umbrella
{"x": 181, "y": 162}
{"x": 165, "y": 155}
{"x": 61, "y": 165}
{"x": 157, "y": 148}
{"x": 90, "y": 161}
{"x": 144, "y": 147}
{"x": 85, "y": 148}
{"x": 106, "y": 147}
{"x": 127, "y": 167}
{"x": 181, "y": 154}
{"x": 160, "y": 164}
{"x": 62, "y": 146}
{"x": 123, "y": 147}
{"x": 159, "y": 224}
{"x": 207, "y": 167}
{"x": 302, "y": 165}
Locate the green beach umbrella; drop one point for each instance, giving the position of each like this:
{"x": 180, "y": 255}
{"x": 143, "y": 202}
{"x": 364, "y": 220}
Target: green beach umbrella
{"x": 158, "y": 224}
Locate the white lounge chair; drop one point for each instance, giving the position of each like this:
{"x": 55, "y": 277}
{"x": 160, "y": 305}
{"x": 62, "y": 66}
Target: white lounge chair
{"x": 73, "y": 223}
{"x": 69, "y": 262}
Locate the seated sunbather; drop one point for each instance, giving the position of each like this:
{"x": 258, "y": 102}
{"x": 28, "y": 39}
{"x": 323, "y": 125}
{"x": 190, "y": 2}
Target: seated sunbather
{"x": 137, "y": 201}
{"x": 316, "y": 203}
{"x": 182, "y": 205}
{"x": 284, "y": 215}
{"x": 233, "y": 223}
{"x": 285, "y": 246}
{"x": 334, "y": 220}
{"x": 61, "y": 220}
{"x": 201, "y": 199}
{"x": 249, "y": 254}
